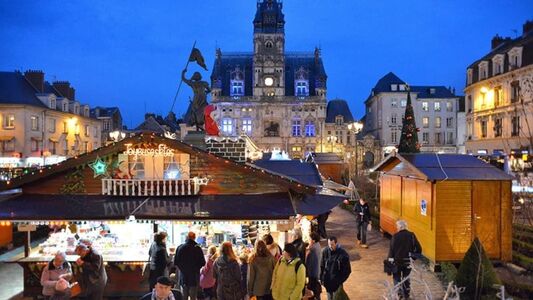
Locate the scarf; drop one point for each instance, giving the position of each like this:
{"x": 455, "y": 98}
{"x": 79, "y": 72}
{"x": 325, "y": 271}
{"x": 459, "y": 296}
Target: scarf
{"x": 170, "y": 297}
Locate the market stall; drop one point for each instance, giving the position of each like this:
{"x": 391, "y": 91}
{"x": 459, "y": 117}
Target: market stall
{"x": 118, "y": 195}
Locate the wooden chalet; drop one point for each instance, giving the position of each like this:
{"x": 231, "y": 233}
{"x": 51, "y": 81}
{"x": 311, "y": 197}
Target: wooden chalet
{"x": 447, "y": 201}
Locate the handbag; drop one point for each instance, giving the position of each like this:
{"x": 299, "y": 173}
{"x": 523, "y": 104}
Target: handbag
{"x": 369, "y": 227}
{"x": 389, "y": 267}
{"x": 75, "y": 289}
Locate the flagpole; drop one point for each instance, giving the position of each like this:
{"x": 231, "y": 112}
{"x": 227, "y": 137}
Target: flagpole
{"x": 181, "y": 79}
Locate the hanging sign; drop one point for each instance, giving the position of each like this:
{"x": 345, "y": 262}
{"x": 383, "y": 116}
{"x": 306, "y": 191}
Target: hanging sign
{"x": 26, "y": 227}
{"x": 423, "y": 207}
{"x": 161, "y": 150}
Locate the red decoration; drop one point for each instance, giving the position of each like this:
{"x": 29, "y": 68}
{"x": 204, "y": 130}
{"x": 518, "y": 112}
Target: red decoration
{"x": 211, "y": 127}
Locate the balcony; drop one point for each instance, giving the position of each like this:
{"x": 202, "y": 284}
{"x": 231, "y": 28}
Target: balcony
{"x": 152, "y": 187}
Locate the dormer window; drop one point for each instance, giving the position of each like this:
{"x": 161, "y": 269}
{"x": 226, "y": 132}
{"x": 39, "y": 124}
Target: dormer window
{"x": 515, "y": 58}
{"x": 497, "y": 64}
{"x": 402, "y": 87}
{"x": 469, "y": 76}
{"x": 483, "y": 70}
{"x": 53, "y": 103}
{"x": 301, "y": 83}
{"x": 339, "y": 120}
{"x": 86, "y": 111}
{"x": 76, "y": 109}
{"x": 65, "y": 106}
{"x": 394, "y": 87}
{"x": 302, "y": 89}
{"x": 237, "y": 83}
{"x": 432, "y": 91}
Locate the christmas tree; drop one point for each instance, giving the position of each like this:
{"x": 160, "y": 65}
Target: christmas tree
{"x": 409, "y": 137}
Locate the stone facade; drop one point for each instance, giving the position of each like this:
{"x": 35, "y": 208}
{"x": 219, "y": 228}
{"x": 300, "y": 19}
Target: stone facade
{"x": 435, "y": 109}
{"x": 41, "y": 126}
{"x": 499, "y": 98}
{"x": 275, "y": 97}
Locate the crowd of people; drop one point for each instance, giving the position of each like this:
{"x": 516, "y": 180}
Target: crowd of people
{"x": 298, "y": 271}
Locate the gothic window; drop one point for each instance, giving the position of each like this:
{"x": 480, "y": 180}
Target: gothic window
{"x": 269, "y": 44}
{"x": 237, "y": 83}
{"x": 301, "y": 82}
{"x": 296, "y": 127}
{"x": 310, "y": 128}
{"x": 271, "y": 129}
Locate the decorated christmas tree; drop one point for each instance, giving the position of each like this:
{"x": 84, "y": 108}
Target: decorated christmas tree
{"x": 409, "y": 136}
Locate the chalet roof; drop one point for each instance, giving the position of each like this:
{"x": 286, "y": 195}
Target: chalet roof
{"x": 306, "y": 172}
{"x": 433, "y": 166}
{"x": 89, "y": 157}
{"x": 326, "y": 158}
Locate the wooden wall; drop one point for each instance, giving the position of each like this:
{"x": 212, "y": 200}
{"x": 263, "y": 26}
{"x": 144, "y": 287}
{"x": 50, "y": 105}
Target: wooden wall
{"x": 506, "y": 221}
{"x": 453, "y": 219}
{"x": 332, "y": 170}
{"x": 6, "y": 235}
{"x": 390, "y": 202}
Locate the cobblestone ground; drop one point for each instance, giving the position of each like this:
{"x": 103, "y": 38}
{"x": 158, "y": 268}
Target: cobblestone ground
{"x": 367, "y": 280}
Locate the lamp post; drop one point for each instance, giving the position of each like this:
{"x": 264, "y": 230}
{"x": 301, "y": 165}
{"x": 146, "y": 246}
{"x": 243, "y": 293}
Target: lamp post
{"x": 354, "y": 129}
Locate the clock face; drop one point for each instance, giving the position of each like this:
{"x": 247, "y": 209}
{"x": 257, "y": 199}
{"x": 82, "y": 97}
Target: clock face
{"x": 269, "y": 81}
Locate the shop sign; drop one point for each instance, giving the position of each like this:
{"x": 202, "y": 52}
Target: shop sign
{"x": 26, "y": 227}
{"x": 423, "y": 207}
{"x": 161, "y": 150}
{"x": 9, "y": 162}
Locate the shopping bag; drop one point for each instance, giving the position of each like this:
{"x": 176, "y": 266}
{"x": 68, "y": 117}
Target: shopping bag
{"x": 369, "y": 227}
{"x": 75, "y": 289}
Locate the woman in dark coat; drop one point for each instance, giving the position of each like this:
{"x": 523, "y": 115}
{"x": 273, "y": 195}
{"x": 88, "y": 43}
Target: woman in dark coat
{"x": 228, "y": 274}
{"x": 159, "y": 258}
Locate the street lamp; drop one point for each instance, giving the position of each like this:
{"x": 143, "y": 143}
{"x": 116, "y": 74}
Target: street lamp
{"x": 354, "y": 129}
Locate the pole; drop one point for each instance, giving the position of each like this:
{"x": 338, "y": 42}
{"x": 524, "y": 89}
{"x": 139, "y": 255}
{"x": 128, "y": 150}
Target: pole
{"x": 181, "y": 79}
{"x": 356, "y": 158}
{"x": 27, "y": 244}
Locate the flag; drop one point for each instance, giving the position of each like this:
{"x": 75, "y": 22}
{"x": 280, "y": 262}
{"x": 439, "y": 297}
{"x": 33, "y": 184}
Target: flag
{"x": 196, "y": 56}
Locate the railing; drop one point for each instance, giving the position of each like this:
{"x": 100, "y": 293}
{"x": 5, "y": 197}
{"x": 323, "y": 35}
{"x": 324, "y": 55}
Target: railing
{"x": 152, "y": 187}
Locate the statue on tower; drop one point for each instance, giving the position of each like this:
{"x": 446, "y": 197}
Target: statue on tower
{"x": 195, "y": 112}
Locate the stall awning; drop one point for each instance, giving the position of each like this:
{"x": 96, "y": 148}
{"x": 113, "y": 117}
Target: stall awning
{"x": 6, "y": 138}
{"x": 98, "y": 207}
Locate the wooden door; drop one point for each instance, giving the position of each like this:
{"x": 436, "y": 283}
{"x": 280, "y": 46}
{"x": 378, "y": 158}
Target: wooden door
{"x": 486, "y": 215}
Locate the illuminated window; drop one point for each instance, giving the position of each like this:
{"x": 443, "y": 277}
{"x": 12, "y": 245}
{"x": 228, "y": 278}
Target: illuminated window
{"x": 437, "y": 106}
{"x": 437, "y": 122}
{"x": 9, "y": 121}
{"x": 425, "y": 122}
{"x": 237, "y": 88}
{"x": 301, "y": 88}
{"x": 87, "y": 130}
{"x": 498, "y": 96}
{"x": 425, "y": 106}
{"x": 403, "y": 103}
{"x": 34, "y": 123}
{"x": 247, "y": 126}
{"x": 310, "y": 128}
{"x": 136, "y": 167}
{"x": 394, "y": 103}
{"x": 227, "y": 125}
{"x": 449, "y": 106}
{"x": 296, "y": 128}
{"x": 438, "y": 138}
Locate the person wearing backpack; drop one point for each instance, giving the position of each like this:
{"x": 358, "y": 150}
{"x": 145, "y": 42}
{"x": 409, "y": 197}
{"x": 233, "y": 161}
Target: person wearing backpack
{"x": 189, "y": 259}
{"x": 227, "y": 273}
{"x": 288, "y": 280}
{"x": 334, "y": 267}
{"x": 403, "y": 246}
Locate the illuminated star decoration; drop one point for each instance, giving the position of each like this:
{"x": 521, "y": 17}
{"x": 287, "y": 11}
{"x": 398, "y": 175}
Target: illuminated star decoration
{"x": 99, "y": 167}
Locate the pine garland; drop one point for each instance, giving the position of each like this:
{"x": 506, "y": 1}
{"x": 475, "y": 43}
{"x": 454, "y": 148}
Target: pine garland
{"x": 74, "y": 183}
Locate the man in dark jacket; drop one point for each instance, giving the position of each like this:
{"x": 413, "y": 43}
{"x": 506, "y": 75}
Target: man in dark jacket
{"x": 94, "y": 276}
{"x": 403, "y": 245}
{"x": 158, "y": 258}
{"x": 189, "y": 259}
{"x": 163, "y": 290}
{"x": 362, "y": 217}
{"x": 334, "y": 267}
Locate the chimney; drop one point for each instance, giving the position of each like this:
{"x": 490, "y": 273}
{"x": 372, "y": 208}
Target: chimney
{"x": 36, "y": 78}
{"x": 527, "y": 28}
{"x": 64, "y": 88}
{"x": 148, "y": 115}
{"x": 171, "y": 117}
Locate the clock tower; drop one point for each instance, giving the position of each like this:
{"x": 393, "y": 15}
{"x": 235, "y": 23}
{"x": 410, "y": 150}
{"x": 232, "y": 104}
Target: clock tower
{"x": 269, "y": 49}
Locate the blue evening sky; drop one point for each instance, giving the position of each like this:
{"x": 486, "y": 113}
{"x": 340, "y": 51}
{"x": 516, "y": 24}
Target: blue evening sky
{"x": 130, "y": 53}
